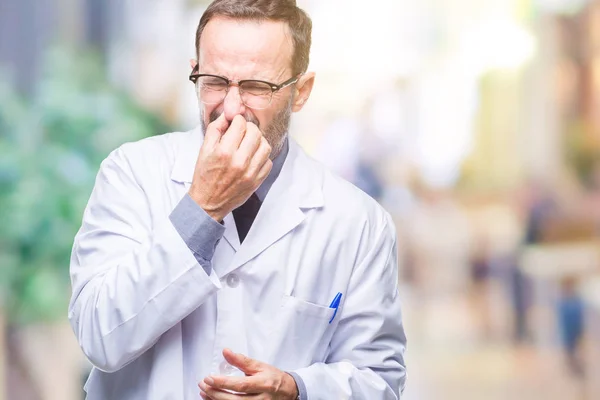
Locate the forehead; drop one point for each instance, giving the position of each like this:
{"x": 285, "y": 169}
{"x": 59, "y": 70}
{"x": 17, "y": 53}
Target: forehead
{"x": 245, "y": 49}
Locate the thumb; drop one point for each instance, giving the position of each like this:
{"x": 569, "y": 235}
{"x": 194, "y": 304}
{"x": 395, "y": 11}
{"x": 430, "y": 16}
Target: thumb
{"x": 220, "y": 124}
{"x": 215, "y": 130}
{"x": 245, "y": 364}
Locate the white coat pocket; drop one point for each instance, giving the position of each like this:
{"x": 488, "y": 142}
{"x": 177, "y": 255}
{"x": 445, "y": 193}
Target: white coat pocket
{"x": 299, "y": 333}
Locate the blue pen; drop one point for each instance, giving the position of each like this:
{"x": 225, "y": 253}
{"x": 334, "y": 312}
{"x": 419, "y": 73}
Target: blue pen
{"x": 335, "y": 304}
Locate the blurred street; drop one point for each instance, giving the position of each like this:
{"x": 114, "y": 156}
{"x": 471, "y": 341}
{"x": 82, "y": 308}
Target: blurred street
{"x": 452, "y": 356}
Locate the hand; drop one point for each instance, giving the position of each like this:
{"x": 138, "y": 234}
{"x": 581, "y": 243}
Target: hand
{"x": 232, "y": 163}
{"x": 262, "y": 382}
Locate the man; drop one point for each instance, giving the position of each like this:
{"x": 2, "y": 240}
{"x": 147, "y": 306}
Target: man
{"x": 300, "y": 299}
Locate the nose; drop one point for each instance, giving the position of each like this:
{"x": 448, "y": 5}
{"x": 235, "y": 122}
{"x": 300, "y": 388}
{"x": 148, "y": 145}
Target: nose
{"x": 233, "y": 105}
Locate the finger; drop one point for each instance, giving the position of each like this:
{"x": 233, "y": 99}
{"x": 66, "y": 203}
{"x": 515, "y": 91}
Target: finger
{"x": 247, "y": 365}
{"x": 249, "y": 146}
{"x": 243, "y": 384}
{"x": 260, "y": 157}
{"x": 217, "y": 394}
{"x": 265, "y": 170}
{"x": 215, "y": 131}
{"x": 251, "y": 141}
{"x": 204, "y": 396}
{"x": 220, "y": 124}
{"x": 235, "y": 133}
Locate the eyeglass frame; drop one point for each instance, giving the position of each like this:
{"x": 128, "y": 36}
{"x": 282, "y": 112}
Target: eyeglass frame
{"x": 274, "y": 87}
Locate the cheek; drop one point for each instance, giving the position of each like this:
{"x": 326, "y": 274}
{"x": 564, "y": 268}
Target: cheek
{"x": 264, "y": 117}
{"x": 208, "y": 110}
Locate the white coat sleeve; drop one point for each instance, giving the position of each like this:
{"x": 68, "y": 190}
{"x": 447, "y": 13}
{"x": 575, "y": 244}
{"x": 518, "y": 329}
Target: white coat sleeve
{"x": 366, "y": 354}
{"x": 133, "y": 277}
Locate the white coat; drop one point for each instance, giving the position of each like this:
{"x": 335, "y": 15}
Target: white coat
{"x": 154, "y": 324}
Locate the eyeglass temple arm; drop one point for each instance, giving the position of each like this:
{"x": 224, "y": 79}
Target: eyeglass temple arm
{"x": 194, "y": 72}
{"x": 287, "y": 83}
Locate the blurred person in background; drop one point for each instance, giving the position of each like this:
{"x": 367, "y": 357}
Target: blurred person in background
{"x": 570, "y": 312}
{"x": 591, "y": 207}
{"x": 367, "y": 179}
{"x": 304, "y": 287}
{"x": 538, "y": 206}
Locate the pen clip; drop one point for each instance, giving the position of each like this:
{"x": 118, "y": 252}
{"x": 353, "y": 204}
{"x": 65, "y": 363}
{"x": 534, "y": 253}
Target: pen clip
{"x": 335, "y": 304}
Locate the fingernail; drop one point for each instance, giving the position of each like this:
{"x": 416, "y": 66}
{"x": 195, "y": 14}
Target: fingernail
{"x": 210, "y": 381}
{"x": 202, "y": 394}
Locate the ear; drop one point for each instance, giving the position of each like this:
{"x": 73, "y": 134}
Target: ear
{"x": 193, "y": 63}
{"x": 303, "y": 89}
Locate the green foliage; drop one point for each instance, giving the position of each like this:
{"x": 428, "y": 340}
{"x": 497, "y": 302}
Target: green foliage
{"x": 51, "y": 146}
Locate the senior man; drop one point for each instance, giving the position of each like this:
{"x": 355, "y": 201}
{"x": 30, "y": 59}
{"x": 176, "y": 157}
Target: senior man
{"x": 224, "y": 262}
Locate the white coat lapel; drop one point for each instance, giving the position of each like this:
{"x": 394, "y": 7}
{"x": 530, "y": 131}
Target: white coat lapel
{"x": 231, "y": 234}
{"x": 297, "y": 188}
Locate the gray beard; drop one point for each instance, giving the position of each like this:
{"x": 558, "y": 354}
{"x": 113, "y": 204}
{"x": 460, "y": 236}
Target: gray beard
{"x": 275, "y": 133}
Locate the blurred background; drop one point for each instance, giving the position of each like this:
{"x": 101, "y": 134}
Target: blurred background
{"x": 475, "y": 123}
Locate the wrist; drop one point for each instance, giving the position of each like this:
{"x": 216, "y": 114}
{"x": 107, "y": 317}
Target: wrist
{"x": 291, "y": 387}
{"x": 215, "y": 214}
{"x": 212, "y": 212}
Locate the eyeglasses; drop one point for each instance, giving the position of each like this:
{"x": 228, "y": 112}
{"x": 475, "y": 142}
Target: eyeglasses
{"x": 255, "y": 94}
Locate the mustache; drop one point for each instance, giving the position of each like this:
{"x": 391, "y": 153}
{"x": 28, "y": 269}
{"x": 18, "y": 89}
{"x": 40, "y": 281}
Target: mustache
{"x": 247, "y": 116}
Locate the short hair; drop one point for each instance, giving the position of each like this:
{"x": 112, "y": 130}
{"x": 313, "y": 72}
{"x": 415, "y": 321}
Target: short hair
{"x": 298, "y": 21}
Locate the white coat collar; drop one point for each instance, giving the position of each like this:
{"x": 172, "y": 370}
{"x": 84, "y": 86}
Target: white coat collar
{"x": 298, "y": 170}
{"x": 298, "y": 188}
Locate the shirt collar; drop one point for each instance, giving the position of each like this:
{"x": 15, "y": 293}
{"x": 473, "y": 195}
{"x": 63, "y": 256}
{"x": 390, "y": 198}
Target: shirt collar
{"x": 278, "y": 162}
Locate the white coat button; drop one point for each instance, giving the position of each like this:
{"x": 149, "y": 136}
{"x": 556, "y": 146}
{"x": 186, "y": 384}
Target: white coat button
{"x": 233, "y": 280}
